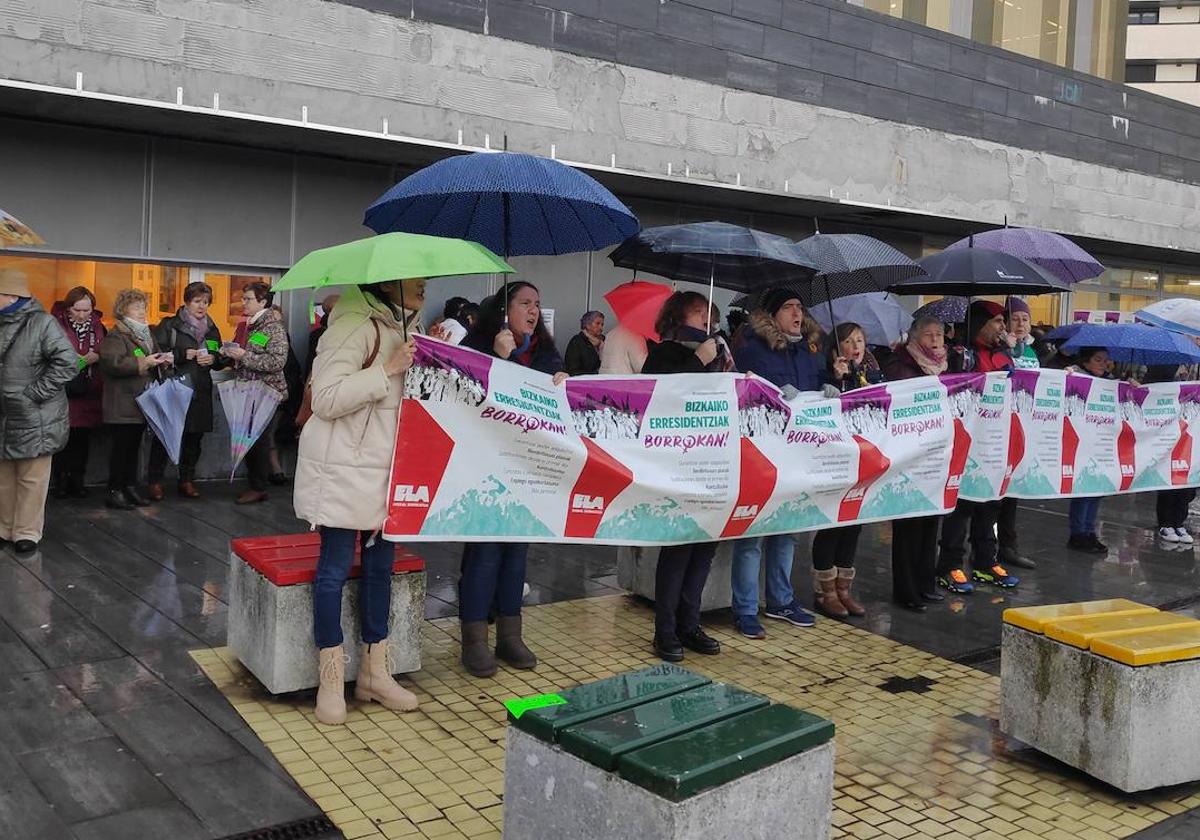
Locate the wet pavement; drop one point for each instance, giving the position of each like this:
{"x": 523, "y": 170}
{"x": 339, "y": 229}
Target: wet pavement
{"x": 109, "y": 728}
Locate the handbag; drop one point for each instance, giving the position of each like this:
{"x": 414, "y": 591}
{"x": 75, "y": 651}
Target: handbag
{"x": 305, "y": 411}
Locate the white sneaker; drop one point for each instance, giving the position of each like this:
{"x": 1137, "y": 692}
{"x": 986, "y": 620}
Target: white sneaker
{"x": 1168, "y": 535}
{"x": 1183, "y": 536}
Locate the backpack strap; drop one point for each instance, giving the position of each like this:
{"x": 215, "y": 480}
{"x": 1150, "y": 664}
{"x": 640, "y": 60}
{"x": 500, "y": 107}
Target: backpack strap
{"x": 375, "y": 349}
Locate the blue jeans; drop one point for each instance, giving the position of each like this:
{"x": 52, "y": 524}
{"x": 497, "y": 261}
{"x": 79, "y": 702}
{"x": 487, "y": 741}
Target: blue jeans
{"x": 744, "y": 578}
{"x": 491, "y": 573}
{"x": 1083, "y": 516}
{"x": 374, "y": 586}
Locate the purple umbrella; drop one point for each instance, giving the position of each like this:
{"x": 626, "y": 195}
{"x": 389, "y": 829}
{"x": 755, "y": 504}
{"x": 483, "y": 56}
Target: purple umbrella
{"x": 1051, "y": 251}
{"x": 949, "y": 310}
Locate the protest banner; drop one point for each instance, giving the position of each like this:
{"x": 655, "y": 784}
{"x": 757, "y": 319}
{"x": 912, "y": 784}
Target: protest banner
{"x": 489, "y": 450}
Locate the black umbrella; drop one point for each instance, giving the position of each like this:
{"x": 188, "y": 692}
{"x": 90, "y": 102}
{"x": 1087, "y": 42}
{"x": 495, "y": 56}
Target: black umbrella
{"x": 979, "y": 271}
{"x": 716, "y": 253}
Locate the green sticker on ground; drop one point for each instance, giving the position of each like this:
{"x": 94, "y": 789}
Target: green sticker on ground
{"x": 520, "y": 705}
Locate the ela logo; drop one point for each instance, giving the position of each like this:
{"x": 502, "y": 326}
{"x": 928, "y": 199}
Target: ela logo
{"x": 856, "y": 493}
{"x": 953, "y": 482}
{"x": 409, "y": 496}
{"x": 583, "y": 503}
{"x": 1068, "y": 471}
{"x": 745, "y": 511}
{"x": 1127, "y": 469}
{"x": 1179, "y": 464}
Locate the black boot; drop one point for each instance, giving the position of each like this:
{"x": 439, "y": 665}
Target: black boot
{"x": 135, "y": 498}
{"x": 59, "y": 481}
{"x": 116, "y": 501}
{"x": 75, "y": 487}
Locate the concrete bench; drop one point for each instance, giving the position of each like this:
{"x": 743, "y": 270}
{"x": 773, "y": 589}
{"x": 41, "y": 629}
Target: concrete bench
{"x": 1108, "y": 687}
{"x": 666, "y": 754}
{"x": 270, "y": 626}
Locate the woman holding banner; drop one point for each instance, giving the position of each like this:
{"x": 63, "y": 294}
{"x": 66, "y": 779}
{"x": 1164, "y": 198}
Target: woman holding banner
{"x": 914, "y": 540}
{"x": 682, "y": 571}
{"x": 510, "y": 327}
{"x": 833, "y": 549}
{"x": 342, "y": 477}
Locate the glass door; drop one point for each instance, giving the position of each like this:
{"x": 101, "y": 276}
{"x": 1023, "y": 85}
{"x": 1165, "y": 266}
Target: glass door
{"x": 227, "y": 286}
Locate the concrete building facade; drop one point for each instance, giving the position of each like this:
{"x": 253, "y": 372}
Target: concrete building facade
{"x": 1163, "y": 50}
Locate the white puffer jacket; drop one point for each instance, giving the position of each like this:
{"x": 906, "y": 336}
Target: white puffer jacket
{"x": 346, "y": 447}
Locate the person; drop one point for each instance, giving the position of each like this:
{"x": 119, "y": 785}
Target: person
{"x": 510, "y": 327}
{"x": 36, "y": 363}
{"x": 82, "y": 324}
{"x": 773, "y": 346}
{"x": 1020, "y": 342}
{"x": 193, "y": 340}
{"x": 261, "y": 355}
{"x": 914, "y": 540}
{"x": 343, "y": 473}
{"x": 988, "y": 352}
{"x": 452, "y": 327}
{"x": 624, "y": 352}
{"x": 833, "y": 549}
{"x": 583, "y": 350}
{"x": 1171, "y": 506}
{"x": 686, "y": 347}
{"x": 1082, "y": 513}
{"x": 130, "y": 360}
{"x": 314, "y": 337}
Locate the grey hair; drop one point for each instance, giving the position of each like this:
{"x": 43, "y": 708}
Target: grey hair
{"x": 588, "y": 317}
{"x": 924, "y": 321}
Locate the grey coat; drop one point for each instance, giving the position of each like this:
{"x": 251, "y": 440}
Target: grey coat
{"x": 36, "y": 363}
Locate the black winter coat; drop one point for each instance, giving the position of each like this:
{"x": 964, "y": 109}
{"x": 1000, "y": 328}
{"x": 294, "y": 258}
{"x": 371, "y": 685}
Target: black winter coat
{"x": 172, "y": 335}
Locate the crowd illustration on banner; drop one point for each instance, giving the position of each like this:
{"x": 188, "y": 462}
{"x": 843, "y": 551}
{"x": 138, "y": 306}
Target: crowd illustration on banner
{"x": 439, "y": 379}
{"x": 603, "y": 421}
{"x": 764, "y": 418}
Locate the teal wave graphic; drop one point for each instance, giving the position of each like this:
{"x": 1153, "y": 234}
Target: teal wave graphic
{"x": 1033, "y": 483}
{"x": 974, "y": 483}
{"x": 655, "y": 522}
{"x": 1149, "y": 480}
{"x": 490, "y": 510}
{"x": 793, "y": 515}
{"x": 898, "y": 497}
{"x": 1091, "y": 481}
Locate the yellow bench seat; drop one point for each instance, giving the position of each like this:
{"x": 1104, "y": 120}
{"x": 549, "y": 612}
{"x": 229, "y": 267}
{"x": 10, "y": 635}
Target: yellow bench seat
{"x": 1080, "y": 631}
{"x": 1151, "y": 647}
{"x": 1034, "y": 618}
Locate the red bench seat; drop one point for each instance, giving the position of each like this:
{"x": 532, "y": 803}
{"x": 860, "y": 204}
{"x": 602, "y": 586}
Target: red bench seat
{"x": 291, "y": 559}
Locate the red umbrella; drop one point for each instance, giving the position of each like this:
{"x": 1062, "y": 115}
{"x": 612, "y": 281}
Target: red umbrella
{"x": 636, "y": 305}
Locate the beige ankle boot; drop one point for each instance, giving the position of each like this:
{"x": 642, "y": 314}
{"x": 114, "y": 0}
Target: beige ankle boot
{"x": 825, "y": 597}
{"x": 331, "y": 694}
{"x": 844, "y": 579}
{"x": 375, "y": 681}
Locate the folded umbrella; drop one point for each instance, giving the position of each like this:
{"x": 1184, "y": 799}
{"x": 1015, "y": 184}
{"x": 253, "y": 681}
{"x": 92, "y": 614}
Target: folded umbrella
{"x": 1051, "y": 251}
{"x": 949, "y": 310}
{"x": 1180, "y": 315}
{"x": 165, "y": 406}
{"x": 249, "y": 405}
{"x": 514, "y": 204}
{"x": 637, "y": 304}
{"x": 880, "y": 315}
{"x": 1140, "y": 344}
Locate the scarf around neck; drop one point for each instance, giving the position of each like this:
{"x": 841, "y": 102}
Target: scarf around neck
{"x": 932, "y": 363}
{"x": 197, "y": 327}
{"x": 140, "y": 331}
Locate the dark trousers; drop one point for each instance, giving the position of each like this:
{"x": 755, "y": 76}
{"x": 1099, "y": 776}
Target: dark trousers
{"x": 374, "y": 586}
{"x": 258, "y": 459}
{"x": 1006, "y": 524}
{"x": 977, "y": 519}
{"x": 126, "y": 442}
{"x": 1172, "y": 506}
{"x": 835, "y": 547}
{"x": 492, "y": 574}
{"x": 678, "y": 586}
{"x": 189, "y": 456}
{"x": 70, "y": 465}
{"x": 914, "y": 557}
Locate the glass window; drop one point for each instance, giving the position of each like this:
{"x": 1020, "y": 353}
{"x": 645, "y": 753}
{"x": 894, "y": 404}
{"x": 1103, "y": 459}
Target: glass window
{"x": 1176, "y": 284}
{"x": 1135, "y": 72}
{"x": 1139, "y": 16}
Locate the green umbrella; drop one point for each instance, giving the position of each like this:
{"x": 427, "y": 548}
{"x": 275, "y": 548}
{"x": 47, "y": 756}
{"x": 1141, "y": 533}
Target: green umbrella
{"x": 390, "y": 256}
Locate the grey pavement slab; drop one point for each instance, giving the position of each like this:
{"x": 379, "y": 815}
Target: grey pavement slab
{"x": 24, "y": 812}
{"x": 92, "y": 779}
{"x": 167, "y": 820}
{"x": 40, "y": 713}
{"x": 171, "y": 733}
{"x": 114, "y": 685}
{"x": 238, "y": 794}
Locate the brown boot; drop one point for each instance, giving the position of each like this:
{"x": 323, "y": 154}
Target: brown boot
{"x": 188, "y": 490}
{"x": 155, "y": 492}
{"x": 251, "y": 497}
{"x": 509, "y": 645}
{"x": 845, "y": 577}
{"x": 375, "y": 681}
{"x": 825, "y": 597}
{"x": 477, "y": 655}
{"x": 331, "y": 694}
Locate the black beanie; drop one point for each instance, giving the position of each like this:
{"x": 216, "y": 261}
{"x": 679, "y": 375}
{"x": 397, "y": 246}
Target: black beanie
{"x": 773, "y": 299}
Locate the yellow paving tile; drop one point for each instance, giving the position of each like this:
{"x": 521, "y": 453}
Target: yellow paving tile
{"x": 907, "y": 765}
